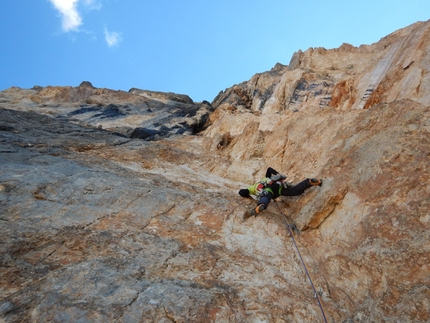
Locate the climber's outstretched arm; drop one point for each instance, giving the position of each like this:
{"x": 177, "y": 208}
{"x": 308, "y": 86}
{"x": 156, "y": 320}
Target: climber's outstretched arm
{"x": 270, "y": 171}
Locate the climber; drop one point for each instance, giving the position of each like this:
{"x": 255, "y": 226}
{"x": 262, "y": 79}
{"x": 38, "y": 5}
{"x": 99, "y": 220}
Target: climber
{"x": 273, "y": 186}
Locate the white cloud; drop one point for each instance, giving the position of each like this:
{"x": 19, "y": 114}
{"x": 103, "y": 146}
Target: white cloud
{"x": 71, "y": 20}
{"x": 112, "y": 38}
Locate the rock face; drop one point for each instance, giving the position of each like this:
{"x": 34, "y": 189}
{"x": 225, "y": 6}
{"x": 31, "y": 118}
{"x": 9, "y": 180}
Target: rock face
{"x": 137, "y": 114}
{"x": 99, "y": 225}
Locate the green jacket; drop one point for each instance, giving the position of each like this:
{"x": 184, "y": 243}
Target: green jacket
{"x": 262, "y": 185}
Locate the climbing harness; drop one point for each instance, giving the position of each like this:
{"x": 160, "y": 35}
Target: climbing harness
{"x": 290, "y": 232}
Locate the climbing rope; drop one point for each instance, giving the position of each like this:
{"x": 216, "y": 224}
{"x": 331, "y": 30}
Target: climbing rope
{"x": 301, "y": 259}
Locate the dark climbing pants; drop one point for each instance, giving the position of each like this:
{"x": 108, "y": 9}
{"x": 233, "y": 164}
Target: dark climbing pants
{"x": 292, "y": 190}
{"x": 295, "y": 190}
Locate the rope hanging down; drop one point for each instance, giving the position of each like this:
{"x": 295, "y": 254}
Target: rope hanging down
{"x": 301, "y": 259}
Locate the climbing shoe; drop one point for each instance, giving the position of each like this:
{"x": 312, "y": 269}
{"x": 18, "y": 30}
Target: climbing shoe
{"x": 257, "y": 210}
{"x": 315, "y": 181}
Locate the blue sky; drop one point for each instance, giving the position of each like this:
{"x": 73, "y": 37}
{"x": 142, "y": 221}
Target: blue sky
{"x": 193, "y": 47}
